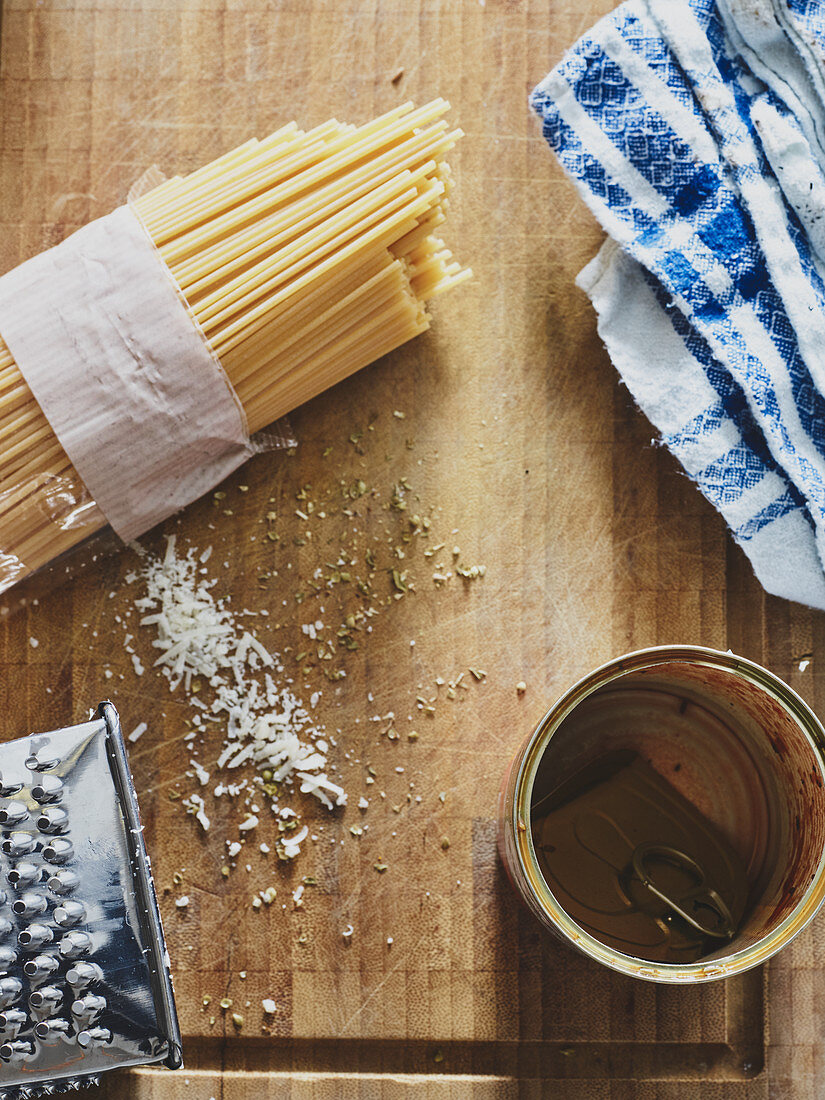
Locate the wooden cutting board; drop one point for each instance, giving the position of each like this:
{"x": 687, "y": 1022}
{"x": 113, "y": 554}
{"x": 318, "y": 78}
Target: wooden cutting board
{"x": 526, "y": 455}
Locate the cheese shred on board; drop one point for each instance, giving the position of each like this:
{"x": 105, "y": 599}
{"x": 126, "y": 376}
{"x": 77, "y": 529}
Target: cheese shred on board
{"x": 198, "y": 639}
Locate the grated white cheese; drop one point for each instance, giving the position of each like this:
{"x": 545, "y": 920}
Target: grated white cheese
{"x": 269, "y": 1006}
{"x": 292, "y": 844}
{"x": 317, "y": 784}
{"x": 201, "y": 774}
{"x": 199, "y": 639}
{"x": 138, "y": 731}
{"x": 195, "y": 805}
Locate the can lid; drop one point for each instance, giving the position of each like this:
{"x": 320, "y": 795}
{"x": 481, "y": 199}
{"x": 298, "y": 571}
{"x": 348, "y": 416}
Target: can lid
{"x": 674, "y": 899}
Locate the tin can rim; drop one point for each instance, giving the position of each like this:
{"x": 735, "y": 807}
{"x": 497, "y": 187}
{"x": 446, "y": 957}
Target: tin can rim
{"x": 675, "y": 973}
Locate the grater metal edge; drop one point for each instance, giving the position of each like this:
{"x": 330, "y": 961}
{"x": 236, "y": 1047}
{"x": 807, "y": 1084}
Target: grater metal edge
{"x": 144, "y": 884}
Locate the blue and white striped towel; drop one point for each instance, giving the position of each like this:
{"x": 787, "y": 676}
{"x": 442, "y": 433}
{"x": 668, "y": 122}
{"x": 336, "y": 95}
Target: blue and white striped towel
{"x": 695, "y": 132}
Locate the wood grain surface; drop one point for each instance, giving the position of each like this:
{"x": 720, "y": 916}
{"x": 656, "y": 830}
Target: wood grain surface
{"x": 525, "y": 453}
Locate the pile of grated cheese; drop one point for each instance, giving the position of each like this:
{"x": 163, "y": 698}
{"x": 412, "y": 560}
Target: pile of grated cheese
{"x": 266, "y": 725}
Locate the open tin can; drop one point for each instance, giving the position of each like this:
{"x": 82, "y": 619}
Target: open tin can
{"x": 667, "y": 815}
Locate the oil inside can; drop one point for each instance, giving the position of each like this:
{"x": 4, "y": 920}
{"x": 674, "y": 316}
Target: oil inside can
{"x": 635, "y": 863}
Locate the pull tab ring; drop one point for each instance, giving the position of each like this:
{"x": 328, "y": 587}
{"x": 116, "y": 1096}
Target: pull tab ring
{"x": 709, "y": 898}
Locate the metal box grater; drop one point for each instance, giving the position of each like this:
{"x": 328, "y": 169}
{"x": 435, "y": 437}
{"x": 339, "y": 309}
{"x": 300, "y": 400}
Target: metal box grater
{"x": 84, "y": 973}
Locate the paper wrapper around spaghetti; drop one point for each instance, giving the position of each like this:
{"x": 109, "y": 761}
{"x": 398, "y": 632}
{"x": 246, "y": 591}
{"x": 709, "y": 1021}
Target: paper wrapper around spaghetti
{"x": 169, "y": 333}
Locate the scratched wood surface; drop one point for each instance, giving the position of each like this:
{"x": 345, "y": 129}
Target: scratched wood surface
{"x": 524, "y": 452}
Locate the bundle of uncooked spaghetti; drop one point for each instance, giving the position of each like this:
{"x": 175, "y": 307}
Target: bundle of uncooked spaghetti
{"x": 301, "y": 258}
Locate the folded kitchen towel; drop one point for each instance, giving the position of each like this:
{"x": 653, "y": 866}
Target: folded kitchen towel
{"x": 695, "y": 132}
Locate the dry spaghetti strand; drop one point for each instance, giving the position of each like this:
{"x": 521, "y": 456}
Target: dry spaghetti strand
{"x": 303, "y": 257}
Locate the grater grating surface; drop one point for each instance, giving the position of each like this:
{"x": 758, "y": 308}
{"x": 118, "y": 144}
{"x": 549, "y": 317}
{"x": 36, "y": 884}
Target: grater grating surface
{"x": 84, "y": 974}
